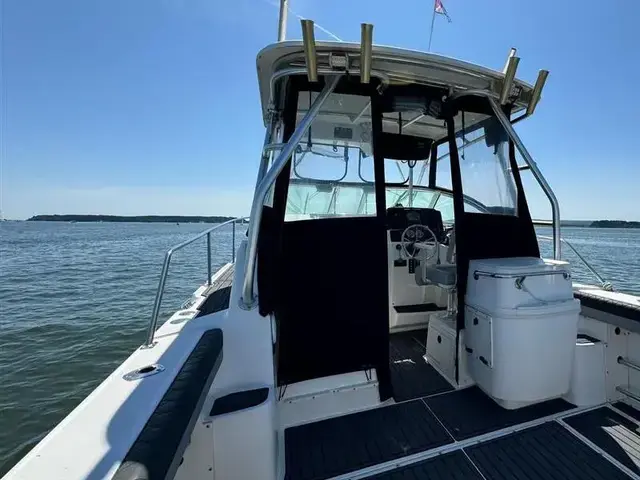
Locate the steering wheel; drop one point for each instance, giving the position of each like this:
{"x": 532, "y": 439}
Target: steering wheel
{"x": 419, "y": 237}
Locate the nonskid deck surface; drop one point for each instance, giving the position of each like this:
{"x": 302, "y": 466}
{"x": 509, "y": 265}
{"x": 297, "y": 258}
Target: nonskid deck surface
{"x": 342, "y": 445}
{"x": 468, "y": 413}
{"x": 614, "y": 433}
{"x": 411, "y": 376}
{"x": 219, "y": 294}
{"x": 546, "y": 451}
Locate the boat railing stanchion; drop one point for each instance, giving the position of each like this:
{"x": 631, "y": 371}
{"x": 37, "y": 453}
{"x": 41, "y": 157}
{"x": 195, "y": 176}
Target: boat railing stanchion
{"x": 233, "y": 243}
{"x": 209, "y": 258}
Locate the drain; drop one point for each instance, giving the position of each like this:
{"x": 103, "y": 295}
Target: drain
{"x": 143, "y": 372}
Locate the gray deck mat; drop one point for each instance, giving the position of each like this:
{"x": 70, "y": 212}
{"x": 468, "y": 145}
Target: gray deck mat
{"x": 469, "y": 412}
{"x": 343, "y": 444}
{"x": 628, "y": 409}
{"x": 615, "y": 434}
{"x": 453, "y": 465}
{"x": 545, "y": 452}
{"x": 411, "y": 376}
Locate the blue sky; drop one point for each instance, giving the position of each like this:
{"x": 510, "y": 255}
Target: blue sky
{"x": 151, "y": 106}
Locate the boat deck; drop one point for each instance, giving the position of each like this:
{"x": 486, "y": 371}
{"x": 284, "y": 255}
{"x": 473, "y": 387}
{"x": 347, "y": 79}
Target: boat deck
{"x": 434, "y": 432}
{"x": 411, "y": 376}
{"x": 465, "y": 435}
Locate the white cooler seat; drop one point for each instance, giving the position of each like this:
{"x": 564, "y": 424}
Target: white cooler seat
{"x": 521, "y": 323}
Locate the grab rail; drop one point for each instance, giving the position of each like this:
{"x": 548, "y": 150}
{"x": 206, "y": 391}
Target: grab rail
{"x": 603, "y": 283}
{"x": 479, "y": 273}
{"x": 520, "y": 277}
{"x": 165, "y": 271}
{"x": 628, "y": 363}
{"x": 628, "y": 393}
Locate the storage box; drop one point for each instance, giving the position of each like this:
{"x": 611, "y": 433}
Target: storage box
{"x": 521, "y": 323}
{"x": 441, "y": 351}
{"x": 588, "y": 385}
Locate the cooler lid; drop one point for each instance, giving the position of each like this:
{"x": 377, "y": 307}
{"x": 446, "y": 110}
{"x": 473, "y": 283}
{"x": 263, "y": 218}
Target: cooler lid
{"x": 517, "y": 265}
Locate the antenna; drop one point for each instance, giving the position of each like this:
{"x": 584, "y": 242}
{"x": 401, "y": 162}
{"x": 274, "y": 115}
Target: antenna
{"x": 282, "y": 20}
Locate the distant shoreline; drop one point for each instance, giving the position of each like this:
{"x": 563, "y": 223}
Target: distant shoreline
{"x": 614, "y": 224}
{"x": 131, "y": 219}
{"x": 220, "y": 219}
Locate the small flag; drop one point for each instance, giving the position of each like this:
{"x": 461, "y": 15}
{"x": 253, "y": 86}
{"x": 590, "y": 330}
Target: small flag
{"x": 439, "y": 8}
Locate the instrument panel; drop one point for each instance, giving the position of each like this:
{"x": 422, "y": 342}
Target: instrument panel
{"x": 399, "y": 218}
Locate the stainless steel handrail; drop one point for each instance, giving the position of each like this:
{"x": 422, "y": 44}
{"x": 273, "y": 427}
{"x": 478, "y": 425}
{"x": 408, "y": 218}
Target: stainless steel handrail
{"x": 555, "y": 206}
{"x": 165, "y": 271}
{"x": 628, "y": 393}
{"x": 508, "y": 126}
{"x": 247, "y": 299}
{"x": 603, "y": 283}
{"x": 628, "y": 363}
{"x": 479, "y": 273}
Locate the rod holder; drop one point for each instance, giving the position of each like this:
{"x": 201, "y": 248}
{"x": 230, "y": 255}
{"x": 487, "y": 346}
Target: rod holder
{"x": 366, "y": 49}
{"x": 537, "y": 91}
{"x": 509, "y": 75}
{"x": 512, "y": 53}
{"x": 309, "y": 42}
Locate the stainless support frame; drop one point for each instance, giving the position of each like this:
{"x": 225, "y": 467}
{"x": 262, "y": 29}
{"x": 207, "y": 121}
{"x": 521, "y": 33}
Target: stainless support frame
{"x": 248, "y": 301}
{"x": 149, "y": 343}
{"x": 266, "y": 152}
{"x": 508, "y": 126}
{"x": 555, "y": 208}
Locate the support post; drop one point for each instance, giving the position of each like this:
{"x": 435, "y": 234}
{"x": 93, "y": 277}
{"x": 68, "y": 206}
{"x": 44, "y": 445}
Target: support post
{"x": 248, "y": 300}
{"x": 555, "y": 208}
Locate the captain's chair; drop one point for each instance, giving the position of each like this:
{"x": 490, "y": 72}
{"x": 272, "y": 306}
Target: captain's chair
{"x": 440, "y": 274}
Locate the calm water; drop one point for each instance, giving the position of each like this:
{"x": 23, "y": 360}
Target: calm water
{"x": 75, "y": 300}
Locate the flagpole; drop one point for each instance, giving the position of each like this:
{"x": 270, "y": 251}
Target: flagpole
{"x": 433, "y": 21}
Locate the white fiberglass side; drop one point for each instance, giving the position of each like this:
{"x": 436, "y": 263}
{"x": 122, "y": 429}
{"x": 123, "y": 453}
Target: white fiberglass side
{"x": 92, "y": 441}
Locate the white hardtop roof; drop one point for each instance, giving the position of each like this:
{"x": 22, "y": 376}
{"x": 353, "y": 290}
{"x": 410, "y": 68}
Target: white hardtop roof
{"x": 399, "y": 65}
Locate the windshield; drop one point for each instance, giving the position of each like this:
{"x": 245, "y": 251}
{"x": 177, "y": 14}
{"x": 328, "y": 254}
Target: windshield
{"x": 332, "y": 170}
{"x": 310, "y": 201}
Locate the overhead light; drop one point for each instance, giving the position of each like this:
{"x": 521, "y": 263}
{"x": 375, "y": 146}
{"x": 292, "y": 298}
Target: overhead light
{"x": 509, "y": 76}
{"x": 309, "y": 43}
{"x": 366, "y": 48}
{"x": 338, "y": 61}
{"x": 537, "y": 91}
